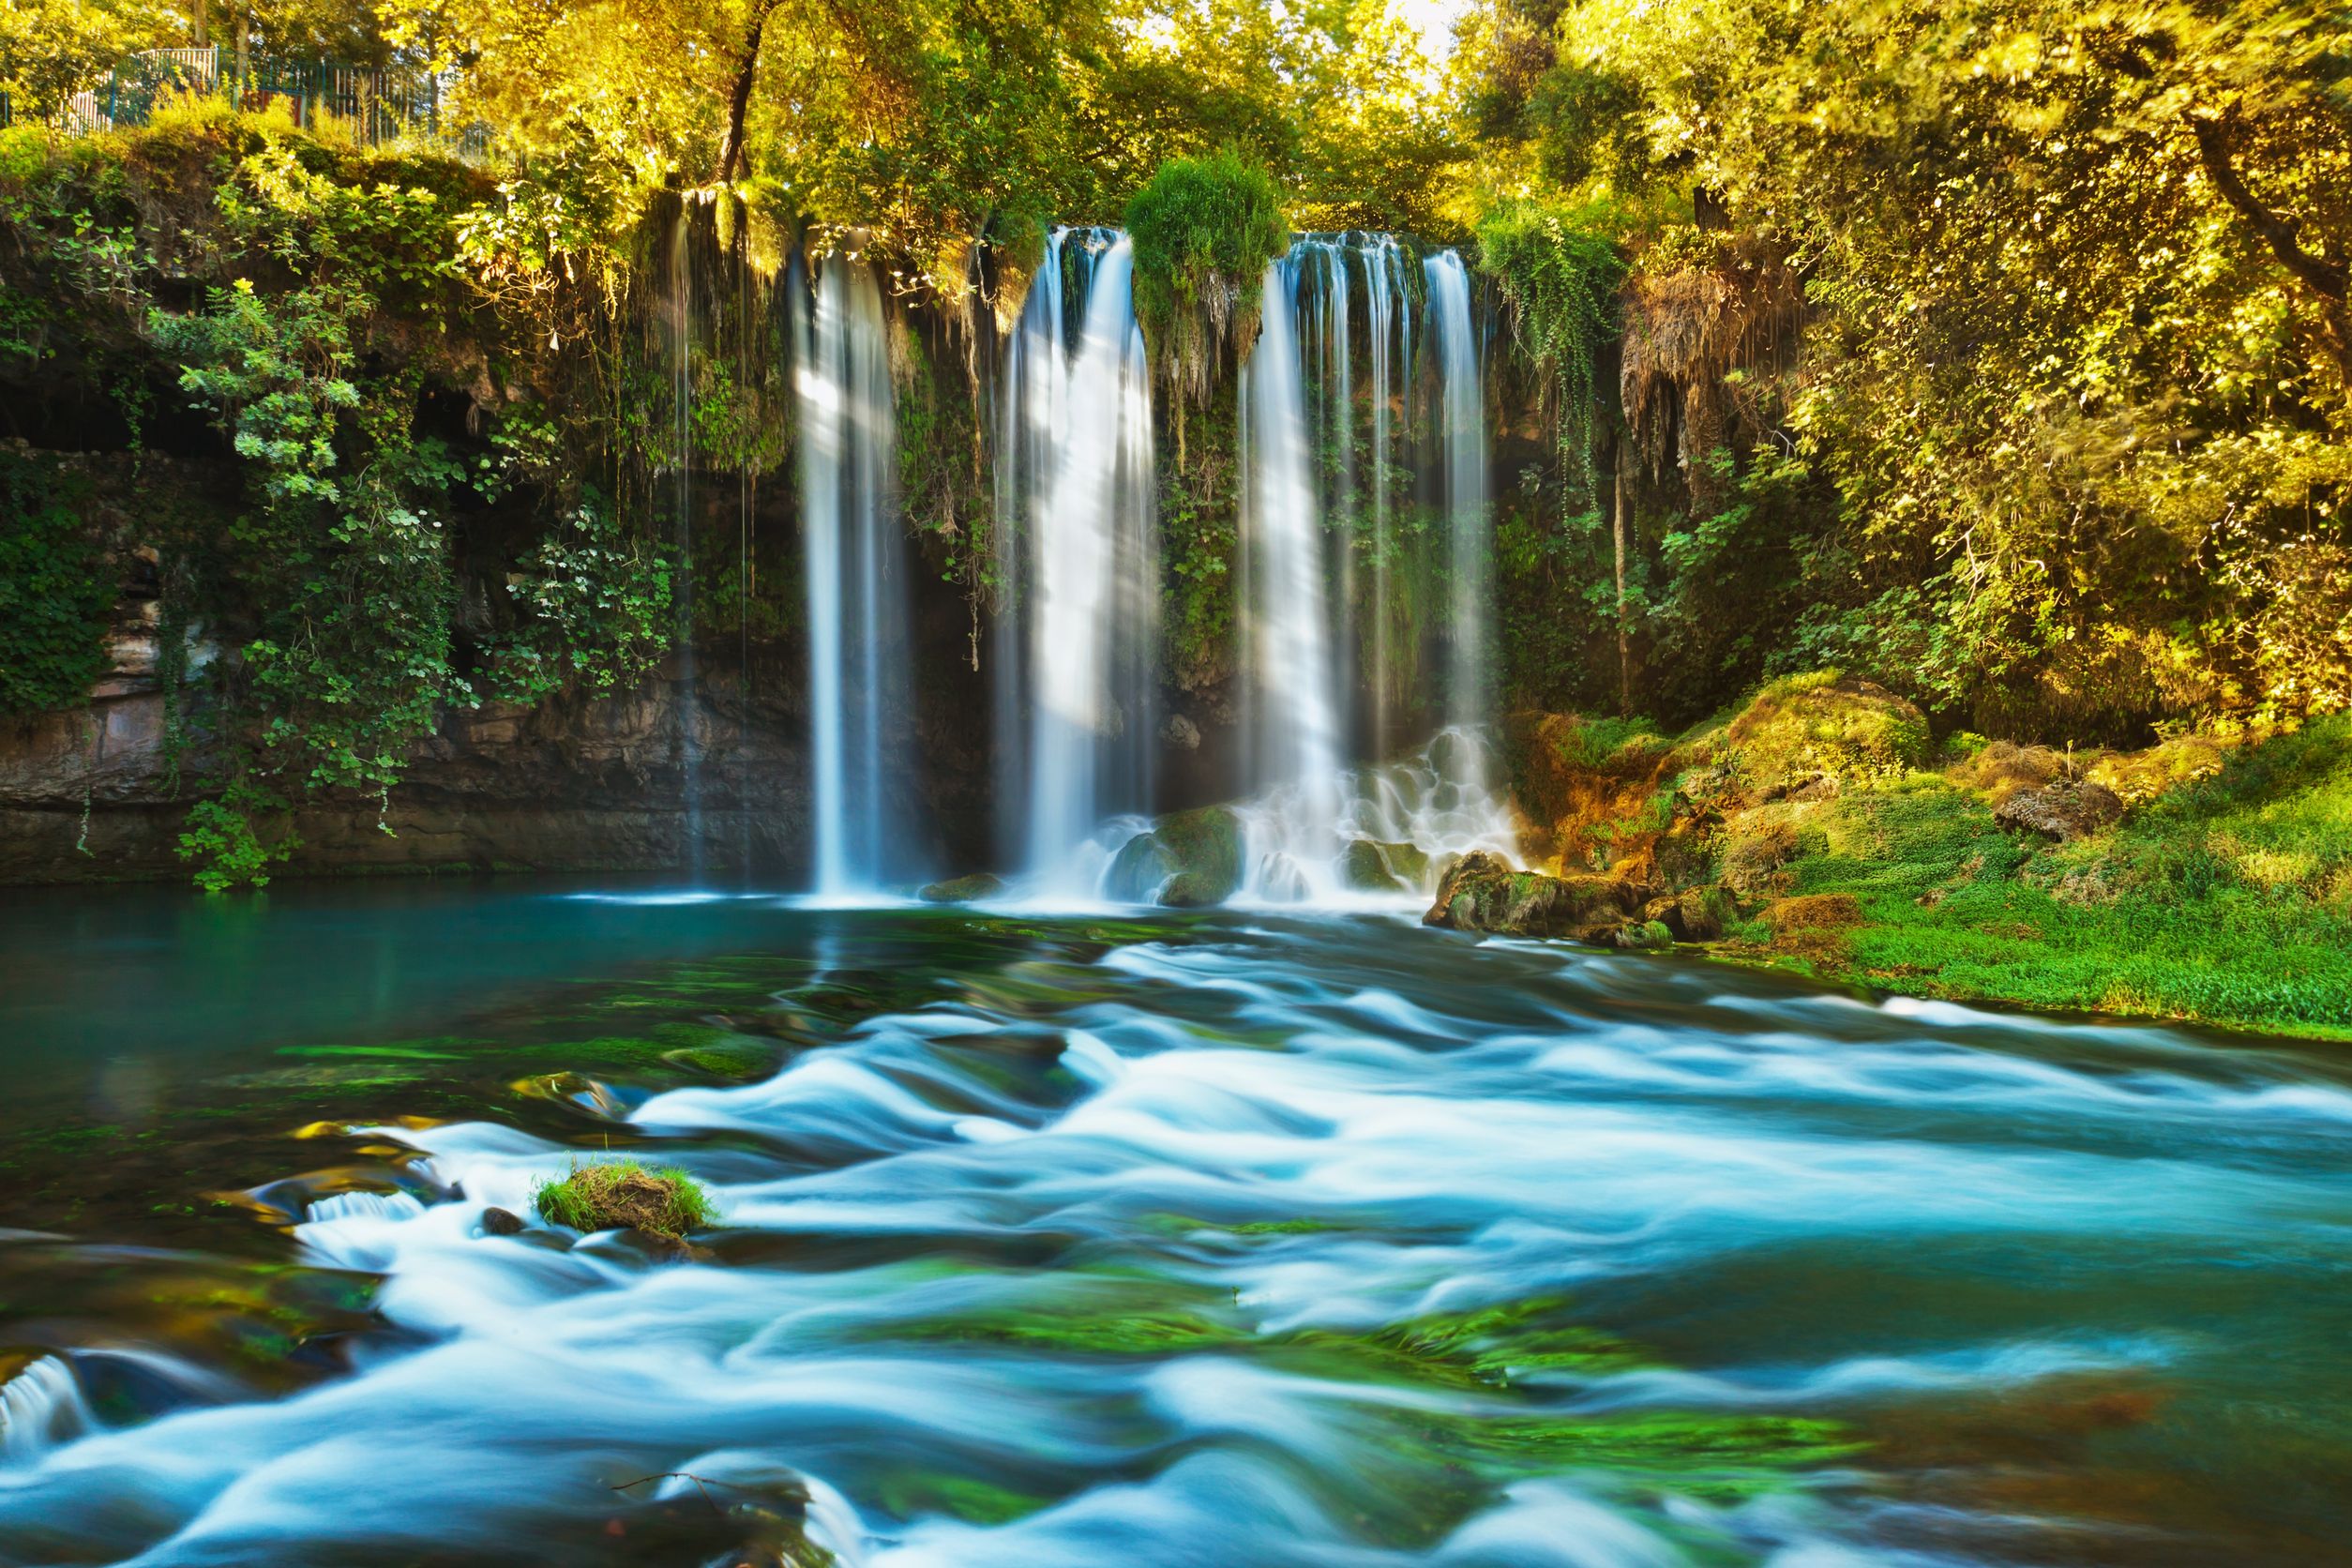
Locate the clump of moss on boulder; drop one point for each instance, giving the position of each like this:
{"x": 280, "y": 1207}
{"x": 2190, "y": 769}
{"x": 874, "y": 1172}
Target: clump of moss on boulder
{"x": 624, "y": 1194}
{"x": 1373, "y": 865}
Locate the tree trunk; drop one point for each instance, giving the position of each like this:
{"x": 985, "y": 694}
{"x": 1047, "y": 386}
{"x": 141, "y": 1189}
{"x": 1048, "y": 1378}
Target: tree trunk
{"x": 1622, "y": 510}
{"x": 739, "y": 95}
{"x": 2325, "y": 278}
{"x": 203, "y": 23}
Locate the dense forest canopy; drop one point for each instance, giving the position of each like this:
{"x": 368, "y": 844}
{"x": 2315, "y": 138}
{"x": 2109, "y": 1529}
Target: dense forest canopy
{"x": 1998, "y": 352}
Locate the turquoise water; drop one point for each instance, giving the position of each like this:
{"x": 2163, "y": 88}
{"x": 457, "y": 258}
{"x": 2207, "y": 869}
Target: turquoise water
{"x": 1227, "y": 1239}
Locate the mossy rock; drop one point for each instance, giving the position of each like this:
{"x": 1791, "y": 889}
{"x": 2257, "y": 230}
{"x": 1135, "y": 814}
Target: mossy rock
{"x": 1138, "y": 870}
{"x": 624, "y": 1194}
{"x": 1188, "y": 860}
{"x": 1480, "y": 893}
{"x": 1802, "y": 728}
{"x": 964, "y": 890}
{"x": 1694, "y": 914}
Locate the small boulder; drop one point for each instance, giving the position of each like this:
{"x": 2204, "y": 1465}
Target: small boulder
{"x": 1644, "y": 935}
{"x": 2063, "y": 810}
{"x": 964, "y": 890}
{"x": 501, "y": 1221}
{"x": 623, "y": 1195}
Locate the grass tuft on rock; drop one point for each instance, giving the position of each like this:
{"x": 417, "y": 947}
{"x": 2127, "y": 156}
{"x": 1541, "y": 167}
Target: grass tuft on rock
{"x": 624, "y": 1194}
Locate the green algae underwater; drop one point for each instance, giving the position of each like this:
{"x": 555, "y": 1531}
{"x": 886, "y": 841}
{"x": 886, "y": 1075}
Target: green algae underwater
{"x": 1233, "y": 1237}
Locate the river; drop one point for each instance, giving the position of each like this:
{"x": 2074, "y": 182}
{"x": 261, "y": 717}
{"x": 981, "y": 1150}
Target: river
{"x": 1084, "y": 1239}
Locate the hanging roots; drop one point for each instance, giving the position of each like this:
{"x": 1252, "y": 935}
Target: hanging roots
{"x": 1686, "y": 333}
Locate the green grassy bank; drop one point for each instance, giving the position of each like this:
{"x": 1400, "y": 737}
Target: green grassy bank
{"x": 2219, "y": 892}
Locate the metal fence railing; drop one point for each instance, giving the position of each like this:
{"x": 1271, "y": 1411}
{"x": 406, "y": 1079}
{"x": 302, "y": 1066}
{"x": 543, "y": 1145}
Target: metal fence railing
{"x": 373, "y": 104}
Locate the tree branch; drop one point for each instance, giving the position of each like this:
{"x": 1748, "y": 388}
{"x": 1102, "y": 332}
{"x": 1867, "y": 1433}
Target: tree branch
{"x": 2323, "y": 278}
{"x": 738, "y": 95}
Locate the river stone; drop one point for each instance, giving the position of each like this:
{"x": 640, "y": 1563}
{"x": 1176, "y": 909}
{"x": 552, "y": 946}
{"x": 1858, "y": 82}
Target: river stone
{"x": 1644, "y": 935}
{"x": 1480, "y": 893}
{"x": 963, "y": 890}
{"x": 501, "y": 1221}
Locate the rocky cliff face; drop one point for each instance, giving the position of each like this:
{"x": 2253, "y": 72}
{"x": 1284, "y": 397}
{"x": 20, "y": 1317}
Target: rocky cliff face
{"x": 573, "y": 784}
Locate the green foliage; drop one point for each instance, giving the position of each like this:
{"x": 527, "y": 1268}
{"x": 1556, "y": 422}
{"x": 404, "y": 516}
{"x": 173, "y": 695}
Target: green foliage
{"x": 1600, "y": 740}
{"x": 1559, "y": 270}
{"x": 55, "y": 590}
{"x": 1203, "y": 230}
{"x": 598, "y": 610}
{"x": 51, "y": 48}
{"x": 352, "y": 660}
{"x": 1199, "y": 507}
{"x": 2073, "y": 431}
{"x": 224, "y": 838}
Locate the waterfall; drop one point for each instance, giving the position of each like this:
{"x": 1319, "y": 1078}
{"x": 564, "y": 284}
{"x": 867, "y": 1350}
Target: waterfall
{"x": 1291, "y": 681}
{"x": 858, "y": 687}
{"x": 1332, "y": 589}
{"x": 683, "y": 698}
{"x": 1387, "y": 319}
{"x": 1468, "y": 529}
{"x": 1077, "y": 532}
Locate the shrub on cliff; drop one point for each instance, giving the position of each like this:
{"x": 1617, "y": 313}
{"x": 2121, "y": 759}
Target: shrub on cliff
{"x": 54, "y": 594}
{"x": 1203, "y": 230}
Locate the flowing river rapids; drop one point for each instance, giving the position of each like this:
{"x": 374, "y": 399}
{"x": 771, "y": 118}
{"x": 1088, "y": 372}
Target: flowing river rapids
{"x": 1258, "y": 1237}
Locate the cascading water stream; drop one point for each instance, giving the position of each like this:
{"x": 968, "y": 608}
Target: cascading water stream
{"x": 1075, "y": 475}
{"x": 1291, "y": 680}
{"x": 1469, "y": 530}
{"x": 1387, "y": 319}
{"x": 1303, "y": 601}
{"x": 858, "y": 685}
{"x": 1323, "y": 643}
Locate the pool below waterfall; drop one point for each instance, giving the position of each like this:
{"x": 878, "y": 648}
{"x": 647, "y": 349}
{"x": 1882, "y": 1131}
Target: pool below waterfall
{"x": 1240, "y": 1238}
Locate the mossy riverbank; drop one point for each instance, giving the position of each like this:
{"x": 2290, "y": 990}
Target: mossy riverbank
{"x": 2207, "y": 880}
